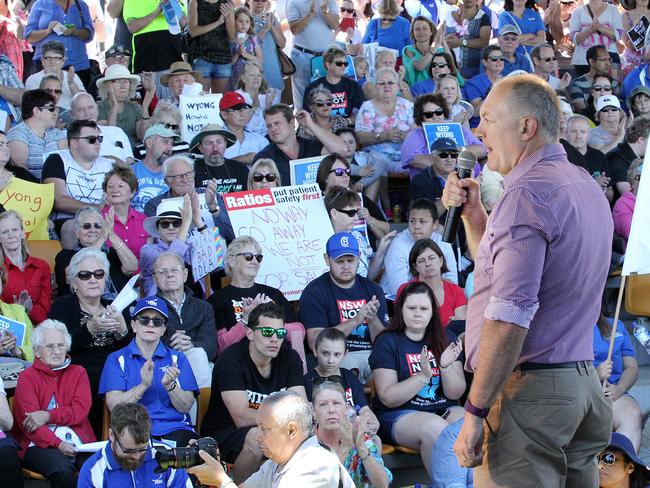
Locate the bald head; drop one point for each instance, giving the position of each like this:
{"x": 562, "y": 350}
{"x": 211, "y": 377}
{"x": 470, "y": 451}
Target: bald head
{"x": 84, "y": 107}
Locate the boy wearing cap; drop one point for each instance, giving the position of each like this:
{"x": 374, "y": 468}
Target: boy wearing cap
{"x": 236, "y": 114}
{"x": 343, "y": 299}
{"x": 211, "y": 142}
{"x": 148, "y": 372}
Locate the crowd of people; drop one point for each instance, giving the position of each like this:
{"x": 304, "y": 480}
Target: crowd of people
{"x": 90, "y": 94}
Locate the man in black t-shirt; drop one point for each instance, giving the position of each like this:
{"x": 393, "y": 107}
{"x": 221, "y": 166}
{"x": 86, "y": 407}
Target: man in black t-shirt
{"x": 211, "y": 142}
{"x": 244, "y": 375}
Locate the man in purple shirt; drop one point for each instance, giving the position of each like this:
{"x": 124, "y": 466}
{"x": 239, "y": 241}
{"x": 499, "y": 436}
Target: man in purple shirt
{"x": 541, "y": 263}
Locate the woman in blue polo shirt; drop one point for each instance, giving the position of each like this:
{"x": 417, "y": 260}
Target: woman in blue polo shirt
{"x": 522, "y": 14}
{"x": 389, "y": 30}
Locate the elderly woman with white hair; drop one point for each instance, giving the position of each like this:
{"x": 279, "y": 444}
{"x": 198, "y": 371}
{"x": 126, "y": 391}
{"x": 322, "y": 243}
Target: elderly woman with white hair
{"x": 387, "y": 58}
{"x": 234, "y": 302}
{"x": 96, "y": 327}
{"x": 51, "y": 406}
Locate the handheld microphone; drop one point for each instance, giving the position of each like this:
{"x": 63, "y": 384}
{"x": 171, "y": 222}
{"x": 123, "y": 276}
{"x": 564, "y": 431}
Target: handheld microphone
{"x": 466, "y": 162}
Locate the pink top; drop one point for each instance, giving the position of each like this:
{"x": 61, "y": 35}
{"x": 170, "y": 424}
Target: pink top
{"x": 133, "y": 233}
{"x": 622, "y": 214}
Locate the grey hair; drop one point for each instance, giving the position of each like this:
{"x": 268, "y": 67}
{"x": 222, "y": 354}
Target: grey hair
{"x": 529, "y": 95}
{"x": 49, "y": 324}
{"x": 383, "y": 53}
{"x": 634, "y": 169}
{"x": 288, "y": 406}
{"x": 235, "y": 247}
{"x": 82, "y": 213}
{"x": 327, "y": 385}
{"x": 576, "y": 117}
{"x": 79, "y": 95}
{"x": 177, "y": 157}
{"x": 83, "y": 255}
{"x": 381, "y": 71}
{"x": 264, "y": 163}
{"x": 319, "y": 89}
{"x": 165, "y": 108}
{"x": 50, "y": 77}
{"x": 168, "y": 254}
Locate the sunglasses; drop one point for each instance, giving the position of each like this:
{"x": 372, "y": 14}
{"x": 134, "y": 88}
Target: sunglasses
{"x": 85, "y": 275}
{"x": 496, "y": 59}
{"x": 335, "y": 378}
{"x": 608, "y": 458}
{"x": 53, "y": 91}
{"x": 269, "y": 331}
{"x": 341, "y": 171}
{"x": 167, "y": 224}
{"x": 350, "y": 212}
{"x": 601, "y": 88}
{"x": 92, "y": 139}
{"x": 342, "y": 63}
{"x": 88, "y": 226}
{"x": 145, "y": 320}
{"x": 347, "y": 10}
{"x": 259, "y": 177}
{"x": 49, "y": 107}
{"x": 609, "y": 109}
{"x": 428, "y": 115}
{"x": 171, "y": 126}
{"x": 546, "y": 60}
{"x": 132, "y": 451}
{"x": 329, "y": 103}
{"x": 439, "y": 65}
{"x": 248, "y": 256}
{"x": 448, "y": 154}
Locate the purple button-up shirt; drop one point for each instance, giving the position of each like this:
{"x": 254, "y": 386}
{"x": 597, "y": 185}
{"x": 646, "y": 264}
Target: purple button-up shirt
{"x": 543, "y": 260}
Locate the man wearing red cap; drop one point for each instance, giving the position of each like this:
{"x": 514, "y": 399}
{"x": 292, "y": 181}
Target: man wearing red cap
{"x": 236, "y": 113}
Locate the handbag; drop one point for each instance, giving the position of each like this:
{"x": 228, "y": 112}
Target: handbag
{"x": 287, "y": 68}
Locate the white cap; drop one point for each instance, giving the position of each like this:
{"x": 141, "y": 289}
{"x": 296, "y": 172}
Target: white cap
{"x": 607, "y": 101}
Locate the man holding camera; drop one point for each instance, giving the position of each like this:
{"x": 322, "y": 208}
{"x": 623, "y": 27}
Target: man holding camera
{"x": 129, "y": 458}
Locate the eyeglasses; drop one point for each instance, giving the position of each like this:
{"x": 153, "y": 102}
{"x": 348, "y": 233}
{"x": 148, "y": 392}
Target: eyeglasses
{"x": 184, "y": 176}
{"x": 145, "y": 320}
{"x": 54, "y": 347}
{"x": 341, "y": 171}
{"x": 269, "y": 331}
{"x": 166, "y": 271}
{"x": 320, "y": 103}
{"x": 92, "y": 139}
{"x": 131, "y": 451}
{"x": 496, "y": 59}
{"x": 259, "y": 177}
{"x": 53, "y": 91}
{"x": 428, "y": 115}
{"x": 347, "y": 10}
{"x": 171, "y": 126}
{"x": 385, "y": 83}
{"x": 342, "y": 63}
{"x": 608, "y": 458}
{"x": 609, "y": 109}
{"x": 335, "y": 378}
{"x": 85, "y": 275}
{"x": 601, "y": 88}
{"x": 546, "y": 60}
{"x": 51, "y": 107}
{"x": 349, "y": 212}
{"x": 52, "y": 58}
{"x": 439, "y": 65}
{"x": 168, "y": 224}
{"x": 248, "y": 256}
{"x": 88, "y": 226}
{"x": 448, "y": 154}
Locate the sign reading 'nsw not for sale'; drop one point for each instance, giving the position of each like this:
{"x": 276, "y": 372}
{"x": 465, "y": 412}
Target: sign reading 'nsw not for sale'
{"x": 291, "y": 225}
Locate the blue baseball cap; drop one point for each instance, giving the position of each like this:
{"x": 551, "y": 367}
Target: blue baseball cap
{"x": 623, "y": 444}
{"x": 151, "y": 303}
{"x": 342, "y": 244}
{"x": 444, "y": 144}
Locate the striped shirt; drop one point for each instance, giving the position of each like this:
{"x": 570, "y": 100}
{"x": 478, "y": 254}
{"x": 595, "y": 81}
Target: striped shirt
{"x": 543, "y": 259}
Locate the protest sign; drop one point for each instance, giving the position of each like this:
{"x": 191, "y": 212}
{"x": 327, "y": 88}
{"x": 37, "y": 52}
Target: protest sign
{"x": 303, "y": 171}
{"x": 197, "y": 111}
{"x": 638, "y": 33}
{"x": 15, "y": 327}
{"x": 206, "y": 252}
{"x": 291, "y": 225}
{"x": 33, "y": 201}
{"x": 452, "y": 130}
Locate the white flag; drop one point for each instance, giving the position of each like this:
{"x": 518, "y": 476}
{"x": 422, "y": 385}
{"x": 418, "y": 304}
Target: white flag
{"x": 637, "y": 253}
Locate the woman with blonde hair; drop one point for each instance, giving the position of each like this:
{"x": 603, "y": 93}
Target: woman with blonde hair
{"x": 29, "y": 281}
{"x": 264, "y": 174}
{"x": 253, "y": 87}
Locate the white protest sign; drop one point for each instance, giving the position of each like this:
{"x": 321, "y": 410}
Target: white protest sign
{"x": 197, "y": 111}
{"x": 291, "y": 225}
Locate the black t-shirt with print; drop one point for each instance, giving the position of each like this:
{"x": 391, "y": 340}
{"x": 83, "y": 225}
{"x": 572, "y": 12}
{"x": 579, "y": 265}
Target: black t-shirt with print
{"x": 231, "y": 176}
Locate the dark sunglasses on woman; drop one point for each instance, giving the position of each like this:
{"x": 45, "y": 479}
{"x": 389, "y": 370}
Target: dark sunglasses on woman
{"x": 166, "y": 224}
{"x": 259, "y": 177}
{"x": 341, "y": 171}
{"x": 248, "y": 256}
{"x": 85, "y": 275}
{"x": 155, "y": 321}
{"x": 428, "y": 115}
{"x": 88, "y": 226}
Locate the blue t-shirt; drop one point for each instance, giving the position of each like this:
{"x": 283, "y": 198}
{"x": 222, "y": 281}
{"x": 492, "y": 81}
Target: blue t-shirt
{"x": 324, "y": 304}
{"x": 393, "y": 350}
{"x": 521, "y": 62}
{"x": 477, "y": 87}
{"x": 122, "y": 372}
{"x": 397, "y": 36}
{"x": 531, "y": 23}
{"x": 423, "y": 87}
{"x": 637, "y": 77}
{"x": 622, "y": 347}
{"x": 150, "y": 185}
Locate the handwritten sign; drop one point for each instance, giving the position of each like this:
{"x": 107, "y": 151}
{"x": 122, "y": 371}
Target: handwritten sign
{"x": 452, "y": 130}
{"x": 206, "y": 252}
{"x": 303, "y": 171}
{"x": 638, "y": 32}
{"x": 15, "y": 327}
{"x": 33, "y": 202}
{"x": 291, "y": 225}
{"x": 197, "y": 111}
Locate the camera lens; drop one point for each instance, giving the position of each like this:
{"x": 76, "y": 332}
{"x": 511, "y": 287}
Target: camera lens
{"x": 185, "y": 457}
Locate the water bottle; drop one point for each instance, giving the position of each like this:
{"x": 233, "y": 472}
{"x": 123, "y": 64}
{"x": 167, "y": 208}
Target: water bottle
{"x": 170, "y": 16}
{"x": 642, "y": 334}
{"x": 316, "y": 75}
{"x": 68, "y": 439}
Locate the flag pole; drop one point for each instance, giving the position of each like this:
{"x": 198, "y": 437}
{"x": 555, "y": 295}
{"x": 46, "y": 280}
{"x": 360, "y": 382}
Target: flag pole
{"x": 616, "y": 315}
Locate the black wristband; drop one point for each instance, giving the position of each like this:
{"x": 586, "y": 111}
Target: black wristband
{"x": 201, "y": 229}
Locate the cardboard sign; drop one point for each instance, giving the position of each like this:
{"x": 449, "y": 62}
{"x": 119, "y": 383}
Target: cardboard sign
{"x": 452, "y": 130}
{"x": 638, "y": 32}
{"x": 15, "y": 327}
{"x": 303, "y": 171}
{"x": 33, "y": 201}
{"x": 197, "y": 111}
{"x": 291, "y": 225}
{"x": 206, "y": 252}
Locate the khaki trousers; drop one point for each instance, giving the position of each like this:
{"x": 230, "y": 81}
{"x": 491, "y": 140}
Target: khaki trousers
{"x": 545, "y": 430}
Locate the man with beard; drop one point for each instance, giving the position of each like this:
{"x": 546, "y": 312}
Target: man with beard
{"x": 129, "y": 459}
{"x": 159, "y": 142}
{"x": 229, "y": 175}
